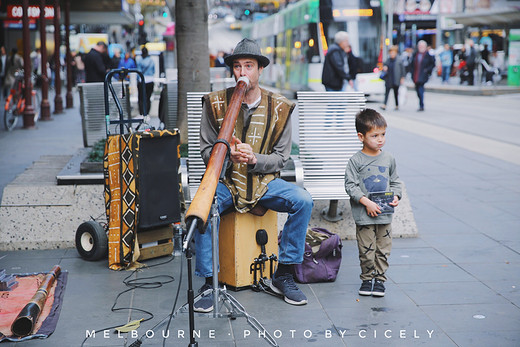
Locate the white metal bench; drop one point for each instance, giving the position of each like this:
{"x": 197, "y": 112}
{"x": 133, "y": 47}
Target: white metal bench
{"x": 328, "y": 139}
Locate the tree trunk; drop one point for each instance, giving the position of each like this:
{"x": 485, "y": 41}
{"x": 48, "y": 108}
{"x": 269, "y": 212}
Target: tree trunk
{"x": 191, "y": 31}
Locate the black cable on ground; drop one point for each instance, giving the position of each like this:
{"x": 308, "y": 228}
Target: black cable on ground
{"x": 139, "y": 341}
{"x": 139, "y": 284}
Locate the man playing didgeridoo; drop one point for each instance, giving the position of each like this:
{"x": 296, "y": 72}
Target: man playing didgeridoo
{"x": 260, "y": 147}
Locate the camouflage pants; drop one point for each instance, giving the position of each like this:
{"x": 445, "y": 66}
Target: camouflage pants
{"x": 374, "y": 246}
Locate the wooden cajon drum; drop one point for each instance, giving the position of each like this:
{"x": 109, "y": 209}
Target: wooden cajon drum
{"x": 238, "y": 247}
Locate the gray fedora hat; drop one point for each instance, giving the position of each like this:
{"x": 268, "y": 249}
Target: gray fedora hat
{"x": 247, "y": 48}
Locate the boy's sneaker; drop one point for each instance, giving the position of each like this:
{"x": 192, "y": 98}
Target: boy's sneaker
{"x": 366, "y": 288}
{"x": 285, "y": 285}
{"x": 205, "y": 302}
{"x": 379, "y": 288}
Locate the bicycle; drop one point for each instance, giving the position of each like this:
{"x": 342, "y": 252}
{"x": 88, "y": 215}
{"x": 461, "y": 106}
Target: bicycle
{"x": 15, "y": 102}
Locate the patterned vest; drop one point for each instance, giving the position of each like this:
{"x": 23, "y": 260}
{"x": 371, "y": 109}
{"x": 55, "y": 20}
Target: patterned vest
{"x": 262, "y": 130}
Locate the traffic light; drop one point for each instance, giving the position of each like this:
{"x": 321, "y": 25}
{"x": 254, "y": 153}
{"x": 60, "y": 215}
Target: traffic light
{"x": 141, "y": 37}
{"x": 247, "y": 14}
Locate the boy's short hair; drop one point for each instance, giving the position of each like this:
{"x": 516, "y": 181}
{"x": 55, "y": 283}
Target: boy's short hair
{"x": 369, "y": 119}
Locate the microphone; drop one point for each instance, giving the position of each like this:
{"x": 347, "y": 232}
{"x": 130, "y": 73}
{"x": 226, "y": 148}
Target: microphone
{"x": 261, "y": 239}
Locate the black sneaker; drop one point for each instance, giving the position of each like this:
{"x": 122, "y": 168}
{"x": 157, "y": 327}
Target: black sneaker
{"x": 379, "y": 288}
{"x": 204, "y": 304}
{"x": 366, "y": 288}
{"x": 285, "y": 285}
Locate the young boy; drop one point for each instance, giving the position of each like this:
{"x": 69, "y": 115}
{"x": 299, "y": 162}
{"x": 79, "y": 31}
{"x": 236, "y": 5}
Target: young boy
{"x": 372, "y": 170}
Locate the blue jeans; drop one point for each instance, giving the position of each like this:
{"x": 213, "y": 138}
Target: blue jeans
{"x": 281, "y": 196}
{"x": 329, "y": 89}
{"x": 419, "y": 88}
{"x": 446, "y": 73}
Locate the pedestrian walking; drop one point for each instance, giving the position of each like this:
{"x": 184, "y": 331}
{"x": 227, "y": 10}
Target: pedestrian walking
{"x": 371, "y": 170}
{"x": 127, "y": 62}
{"x": 116, "y": 59}
{"x": 219, "y": 60}
{"x": 147, "y": 67}
{"x": 394, "y": 76}
{"x": 36, "y": 61}
{"x": 446, "y": 58}
{"x": 336, "y": 68}
{"x": 3, "y": 62}
{"x": 484, "y": 54}
{"x": 80, "y": 68}
{"x": 406, "y": 58}
{"x": 471, "y": 58}
{"x": 95, "y": 63}
{"x": 13, "y": 64}
{"x": 421, "y": 67}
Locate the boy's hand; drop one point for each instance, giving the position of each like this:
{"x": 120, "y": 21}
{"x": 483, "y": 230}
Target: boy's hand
{"x": 372, "y": 208}
{"x": 395, "y": 202}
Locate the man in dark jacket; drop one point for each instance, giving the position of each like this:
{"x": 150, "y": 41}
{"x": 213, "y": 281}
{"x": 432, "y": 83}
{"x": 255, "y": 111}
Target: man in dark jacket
{"x": 422, "y": 65}
{"x": 95, "y": 68}
{"x": 471, "y": 57}
{"x": 336, "y": 67}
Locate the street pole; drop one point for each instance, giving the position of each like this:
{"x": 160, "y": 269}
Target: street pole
{"x": 390, "y": 29}
{"x": 384, "y": 51}
{"x": 58, "y": 100}
{"x": 68, "y": 97}
{"x": 28, "y": 114}
{"x": 45, "y": 105}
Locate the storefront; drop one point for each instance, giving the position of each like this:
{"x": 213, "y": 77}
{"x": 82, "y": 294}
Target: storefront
{"x": 499, "y": 30}
{"x": 415, "y": 20}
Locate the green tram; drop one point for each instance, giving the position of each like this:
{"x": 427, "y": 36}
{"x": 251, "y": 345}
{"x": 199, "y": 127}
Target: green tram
{"x": 296, "y": 42}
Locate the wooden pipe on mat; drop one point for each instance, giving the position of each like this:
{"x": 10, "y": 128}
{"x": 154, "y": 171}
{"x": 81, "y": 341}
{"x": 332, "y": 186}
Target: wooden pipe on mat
{"x": 201, "y": 203}
{"x": 26, "y": 319}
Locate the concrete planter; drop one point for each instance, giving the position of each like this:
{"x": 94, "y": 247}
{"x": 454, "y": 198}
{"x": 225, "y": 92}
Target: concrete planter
{"x": 91, "y": 167}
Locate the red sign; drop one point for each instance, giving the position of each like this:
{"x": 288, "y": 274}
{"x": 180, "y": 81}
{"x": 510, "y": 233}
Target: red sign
{"x": 16, "y": 12}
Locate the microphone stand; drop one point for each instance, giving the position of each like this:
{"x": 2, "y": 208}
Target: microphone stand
{"x": 191, "y": 297}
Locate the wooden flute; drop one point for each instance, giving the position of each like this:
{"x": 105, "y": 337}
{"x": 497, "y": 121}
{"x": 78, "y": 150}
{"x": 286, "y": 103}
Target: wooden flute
{"x": 24, "y": 323}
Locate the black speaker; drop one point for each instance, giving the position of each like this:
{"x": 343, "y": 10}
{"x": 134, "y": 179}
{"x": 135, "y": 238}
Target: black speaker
{"x": 158, "y": 182}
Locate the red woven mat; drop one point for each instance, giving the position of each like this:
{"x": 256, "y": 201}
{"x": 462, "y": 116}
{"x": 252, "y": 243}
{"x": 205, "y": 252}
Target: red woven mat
{"x": 12, "y": 302}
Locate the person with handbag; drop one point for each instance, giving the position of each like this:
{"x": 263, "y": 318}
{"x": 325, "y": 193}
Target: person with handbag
{"x": 446, "y": 57}
{"x": 394, "y": 76}
{"x": 147, "y": 67}
{"x": 370, "y": 175}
